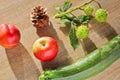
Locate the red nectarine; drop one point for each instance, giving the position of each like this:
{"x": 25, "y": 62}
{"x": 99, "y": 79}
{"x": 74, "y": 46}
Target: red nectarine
{"x": 9, "y": 35}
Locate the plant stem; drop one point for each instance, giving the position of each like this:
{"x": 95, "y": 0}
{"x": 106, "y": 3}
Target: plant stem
{"x": 58, "y": 15}
{"x": 77, "y": 18}
{"x": 98, "y": 3}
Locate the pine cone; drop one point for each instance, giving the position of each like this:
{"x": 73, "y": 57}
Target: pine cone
{"x": 39, "y": 17}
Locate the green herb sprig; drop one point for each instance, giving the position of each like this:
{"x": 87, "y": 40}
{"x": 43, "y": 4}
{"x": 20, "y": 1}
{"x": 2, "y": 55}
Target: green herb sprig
{"x": 79, "y": 24}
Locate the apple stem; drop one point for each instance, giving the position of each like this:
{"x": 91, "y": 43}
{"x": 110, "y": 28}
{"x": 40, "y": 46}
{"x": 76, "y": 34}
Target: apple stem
{"x": 43, "y": 43}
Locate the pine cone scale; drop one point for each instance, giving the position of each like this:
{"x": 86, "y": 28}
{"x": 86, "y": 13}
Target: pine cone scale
{"x": 39, "y": 17}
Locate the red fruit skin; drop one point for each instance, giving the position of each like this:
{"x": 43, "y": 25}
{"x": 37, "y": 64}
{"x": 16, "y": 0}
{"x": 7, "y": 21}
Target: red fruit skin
{"x": 9, "y": 35}
{"x": 47, "y": 52}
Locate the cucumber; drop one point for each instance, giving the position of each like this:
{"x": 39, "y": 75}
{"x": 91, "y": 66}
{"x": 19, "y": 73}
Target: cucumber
{"x": 95, "y": 69}
{"x": 89, "y": 61}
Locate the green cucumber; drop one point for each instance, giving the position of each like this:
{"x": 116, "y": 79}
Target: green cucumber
{"x": 89, "y": 61}
{"x": 95, "y": 69}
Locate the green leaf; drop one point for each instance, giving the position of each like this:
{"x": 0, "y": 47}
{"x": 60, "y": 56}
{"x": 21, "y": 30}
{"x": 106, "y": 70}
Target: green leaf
{"x": 65, "y": 21}
{"x": 72, "y": 36}
{"x": 66, "y": 6}
{"x": 82, "y": 18}
{"x": 57, "y": 8}
{"x": 69, "y": 15}
{"x": 85, "y": 18}
{"x": 75, "y": 22}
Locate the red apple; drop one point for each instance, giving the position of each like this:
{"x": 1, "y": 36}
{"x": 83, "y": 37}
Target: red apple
{"x": 9, "y": 35}
{"x": 45, "y": 48}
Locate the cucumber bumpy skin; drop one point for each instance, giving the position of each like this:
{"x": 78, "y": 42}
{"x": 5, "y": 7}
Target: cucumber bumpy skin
{"x": 91, "y": 60}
